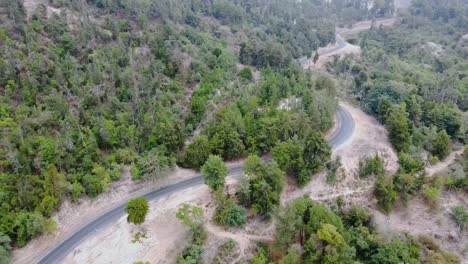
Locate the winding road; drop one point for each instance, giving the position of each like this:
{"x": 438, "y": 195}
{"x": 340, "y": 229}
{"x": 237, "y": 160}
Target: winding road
{"x": 345, "y": 128}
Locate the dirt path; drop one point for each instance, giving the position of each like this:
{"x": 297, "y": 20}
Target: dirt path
{"x": 365, "y": 25}
{"x": 432, "y": 170}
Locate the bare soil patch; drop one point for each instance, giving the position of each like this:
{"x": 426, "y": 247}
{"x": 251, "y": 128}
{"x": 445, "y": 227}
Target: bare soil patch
{"x": 323, "y": 59}
{"x": 365, "y": 25}
{"x": 420, "y": 219}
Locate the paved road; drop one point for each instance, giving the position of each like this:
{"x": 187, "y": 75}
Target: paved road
{"x": 341, "y": 44}
{"x": 57, "y": 253}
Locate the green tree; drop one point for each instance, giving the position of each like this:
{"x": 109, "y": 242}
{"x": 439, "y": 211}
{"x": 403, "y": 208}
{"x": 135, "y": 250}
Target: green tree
{"x": 293, "y": 257}
{"x": 54, "y": 182}
{"x": 193, "y": 218}
{"x": 396, "y": 252}
{"x": 371, "y": 166}
{"x": 385, "y": 193}
{"x": 227, "y": 212}
{"x": 214, "y": 171}
{"x": 5, "y": 249}
{"x": 246, "y": 74}
{"x": 27, "y": 226}
{"x": 197, "y": 152}
{"x": 397, "y": 124}
{"x": 137, "y": 209}
{"x": 226, "y": 142}
{"x": 316, "y": 153}
{"x": 48, "y": 205}
{"x": 441, "y": 145}
{"x": 288, "y": 155}
{"x": 154, "y": 165}
{"x": 76, "y": 190}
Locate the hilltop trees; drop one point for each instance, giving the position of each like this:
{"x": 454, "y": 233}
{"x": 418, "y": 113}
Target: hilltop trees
{"x": 137, "y": 209}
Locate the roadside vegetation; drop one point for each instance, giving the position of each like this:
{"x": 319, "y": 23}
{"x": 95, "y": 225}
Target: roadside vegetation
{"x": 102, "y": 85}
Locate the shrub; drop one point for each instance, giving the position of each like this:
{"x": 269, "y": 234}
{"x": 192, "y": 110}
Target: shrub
{"x": 384, "y": 193}
{"x": 432, "y": 196}
{"x": 441, "y": 145}
{"x": 371, "y": 166}
{"x": 246, "y": 73}
{"x": 332, "y": 170}
{"x": 433, "y": 253}
{"x": 137, "y": 209}
{"x": 460, "y": 216}
{"x": 228, "y": 213}
{"x": 193, "y": 218}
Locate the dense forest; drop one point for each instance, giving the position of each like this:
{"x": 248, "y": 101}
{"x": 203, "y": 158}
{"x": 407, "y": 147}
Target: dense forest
{"x": 148, "y": 84}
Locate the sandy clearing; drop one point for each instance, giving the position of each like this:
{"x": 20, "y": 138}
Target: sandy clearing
{"x": 369, "y": 137}
{"x": 165, "y": 235}
{"x": 323, "y": 59}
{"x": 365, "y": 25}
{"x": 419, "y": 219}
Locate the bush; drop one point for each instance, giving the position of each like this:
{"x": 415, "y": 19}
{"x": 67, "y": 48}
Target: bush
{"x": 371, "y": 166}
{"x": 246, "y": 74}
{"x": 460, "y": 216}
{"x": 228, "y": 213}
{"x": 441, "y": 145}
{"x": 396, "y": 252}
{"x": 332, "y": 170}
{"x": 193, "y": 218}
{"x": 137, "y": 209}
{"x": 433, "y": 253}
{"x": 432, "y": 196}
{"x": 385, "y": 193}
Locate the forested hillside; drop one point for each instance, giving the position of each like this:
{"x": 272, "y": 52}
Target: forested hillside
{"x": 413, "y": 78}
{"x": 90, "y": 86}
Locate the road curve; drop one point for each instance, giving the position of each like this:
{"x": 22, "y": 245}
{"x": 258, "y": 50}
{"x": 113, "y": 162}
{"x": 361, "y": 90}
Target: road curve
{"x": 58, "y": 252}
{"x": 341, "y": 44}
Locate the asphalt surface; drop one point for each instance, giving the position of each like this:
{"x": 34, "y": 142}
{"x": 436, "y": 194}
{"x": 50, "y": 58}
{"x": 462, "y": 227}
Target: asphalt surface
{"x": 339, "y": 41}
{"x": 345, "y": 129}
{"x": 341, "y": 44}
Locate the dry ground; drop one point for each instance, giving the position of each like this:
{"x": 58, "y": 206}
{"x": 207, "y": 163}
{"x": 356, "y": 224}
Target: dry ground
{"x": 323, "y": 59}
